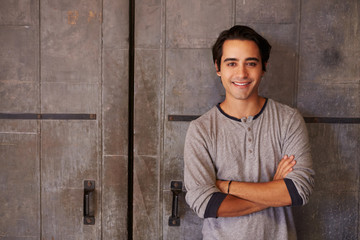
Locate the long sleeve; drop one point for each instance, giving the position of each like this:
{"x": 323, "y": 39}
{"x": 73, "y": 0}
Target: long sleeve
{"x": 296, "y": 143}
{"x": 199, "y": 170}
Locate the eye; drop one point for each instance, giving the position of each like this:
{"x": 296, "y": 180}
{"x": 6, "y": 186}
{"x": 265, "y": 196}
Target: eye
{"x": 252, "y": 64}
{"x": 231, "y": 64}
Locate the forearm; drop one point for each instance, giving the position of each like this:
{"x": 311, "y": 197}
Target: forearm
{"x": 273, "y": 193}
{"x": 234, "y": 207}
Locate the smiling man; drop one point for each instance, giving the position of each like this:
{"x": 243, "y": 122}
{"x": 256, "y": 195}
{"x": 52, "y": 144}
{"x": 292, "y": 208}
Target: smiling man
{"x": 247, "y": 160}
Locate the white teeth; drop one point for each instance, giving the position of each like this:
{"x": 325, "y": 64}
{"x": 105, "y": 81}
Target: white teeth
{"x": 241, "y": 84}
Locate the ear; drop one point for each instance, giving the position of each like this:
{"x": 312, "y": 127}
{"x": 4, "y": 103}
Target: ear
{"x": 217, "y": 69}
{"x": 263, "y": 73}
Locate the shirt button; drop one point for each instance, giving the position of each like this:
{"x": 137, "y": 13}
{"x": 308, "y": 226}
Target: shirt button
{"x": 249, "y": 140}
{"x": 249, "y": 129}
{"x": 250, "y": 151}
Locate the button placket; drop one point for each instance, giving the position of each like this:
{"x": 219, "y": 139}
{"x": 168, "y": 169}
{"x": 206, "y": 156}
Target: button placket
{"x": 250, "y": 140}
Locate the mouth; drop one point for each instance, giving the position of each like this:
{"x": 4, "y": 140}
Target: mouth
{"x": 241, "y": 84}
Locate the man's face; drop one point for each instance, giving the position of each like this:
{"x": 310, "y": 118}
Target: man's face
{"x": 241, "y": 69}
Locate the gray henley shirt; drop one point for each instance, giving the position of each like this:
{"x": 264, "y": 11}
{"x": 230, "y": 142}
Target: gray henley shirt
{"x": 219, "y": 146}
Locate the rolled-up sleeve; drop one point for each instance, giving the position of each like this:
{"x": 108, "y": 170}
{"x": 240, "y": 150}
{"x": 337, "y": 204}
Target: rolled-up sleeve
{"x": 297, "y": 143}
{"x": 199, "y": 170}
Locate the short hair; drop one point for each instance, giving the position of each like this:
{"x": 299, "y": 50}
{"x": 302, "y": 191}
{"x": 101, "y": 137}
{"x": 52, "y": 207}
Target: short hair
{"x": 239, "y": 32}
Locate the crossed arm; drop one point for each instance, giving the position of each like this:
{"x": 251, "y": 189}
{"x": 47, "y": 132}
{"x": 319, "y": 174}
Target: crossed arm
{"x": 245, "y": 198}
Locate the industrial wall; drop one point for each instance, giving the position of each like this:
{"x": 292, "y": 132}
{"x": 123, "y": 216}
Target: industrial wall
{"x": 71, "y": 58}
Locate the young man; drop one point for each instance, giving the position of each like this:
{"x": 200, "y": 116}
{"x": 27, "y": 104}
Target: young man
{"x": 247, "y": 159}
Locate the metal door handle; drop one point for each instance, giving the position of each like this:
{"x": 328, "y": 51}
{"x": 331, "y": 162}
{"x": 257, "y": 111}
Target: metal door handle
{"x": 176, "y": 188}
{"x": 89, "y": 189}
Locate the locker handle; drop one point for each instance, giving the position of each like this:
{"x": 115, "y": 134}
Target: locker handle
{"x": 176, "y": 188}
{"x": 89, "y": 190}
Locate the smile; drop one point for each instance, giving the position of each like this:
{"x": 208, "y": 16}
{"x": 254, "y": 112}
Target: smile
{"x": 241, "y": 84}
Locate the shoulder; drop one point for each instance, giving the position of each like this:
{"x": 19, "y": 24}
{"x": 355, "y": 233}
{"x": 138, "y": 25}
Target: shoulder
{"x": 280, "y": 107}
{"x": 206, "y": 119}
{"x": 204, "y": 125}
{"x": 283, "y": 111}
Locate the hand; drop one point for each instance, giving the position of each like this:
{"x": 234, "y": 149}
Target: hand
{"x": 285, "y": 167}
{"x": 222, "y": 185}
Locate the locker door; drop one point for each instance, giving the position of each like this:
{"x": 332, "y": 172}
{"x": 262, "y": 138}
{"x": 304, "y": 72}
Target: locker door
{"x": 174, "y": 75}
{"x": 63, "y": 120}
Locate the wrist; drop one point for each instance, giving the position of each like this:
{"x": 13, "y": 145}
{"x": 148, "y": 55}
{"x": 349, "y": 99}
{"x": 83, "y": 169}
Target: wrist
{"x": 228, "y": 189}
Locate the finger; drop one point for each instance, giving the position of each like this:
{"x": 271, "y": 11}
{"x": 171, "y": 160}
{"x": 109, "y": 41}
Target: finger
{"x": 284, "y": 167}
{"x": 289, "y": 169}
{"x": 287, "y": 165}
{"x": 286, "y": 159}
{"x": 285, "y": 162}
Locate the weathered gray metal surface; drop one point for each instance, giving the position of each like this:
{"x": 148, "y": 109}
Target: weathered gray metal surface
{"x": 70, "y": 83}
{"x": 333, "y": 211}
{"x": 147, "y": 120}
{"x": 69, "y": 155}
{"x": 196, "y": 24}
{"x": 19, "y": 56}
{"x": 296, "y": 76}
{"x": 44, "y": 163}
{"x": 19, "y": 179}
{"x": 147, "y": 128}
{"x": 19, "y": 149}
{"x": 115, "y": 32}
{"x": 329, "y": 83}
{"x": 83, "y": 68}
{"x": 70, "y": 56}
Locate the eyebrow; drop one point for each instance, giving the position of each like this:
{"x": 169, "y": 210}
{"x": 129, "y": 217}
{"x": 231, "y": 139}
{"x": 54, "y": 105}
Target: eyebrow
{"x": 247, "y": 59}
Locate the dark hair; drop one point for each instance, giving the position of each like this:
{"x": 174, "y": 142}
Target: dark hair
{"x": 240, "y": 32}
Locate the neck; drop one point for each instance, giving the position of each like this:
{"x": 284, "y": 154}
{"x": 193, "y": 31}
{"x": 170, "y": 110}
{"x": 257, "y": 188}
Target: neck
{"x": 243, "y": 108}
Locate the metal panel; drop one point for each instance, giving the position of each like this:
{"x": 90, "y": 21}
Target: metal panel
{"x": 18, "y": 53}
{"x": 329, "y": 63}
{"x": 115, "y": 198}
{"x": 115, "y": 102}
{"x": 148, "y": 24}
{"x": 333, "y": 209}
{"x": 70, "y": 55}
{"x": 70, "y": 98}
{"x": 19, "y": 69}
{"x": 259, "y": 11}
{"x": 16, "y": 126}
{"x": 70, "y": 41}
{"x": 19, "y": 186}
{"x": 173, "y": 155}
{"x": 116, "y": 24}
{"x": 17, "y": 12}
{"x": 19, "y": 148}
{"x": 148, "y": 89}
{"x": 192, "y": 86}
{"x": 146, "y": 198}
{"x": 278, "y": 82}
{"x": 148, "y": 100}
{"x": 69, "y": 155}
{"x": 196, "y": 24}
{"x": 71, "y": 77}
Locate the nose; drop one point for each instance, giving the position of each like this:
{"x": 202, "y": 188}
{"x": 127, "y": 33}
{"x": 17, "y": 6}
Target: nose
{"x": 241, "y": 72}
